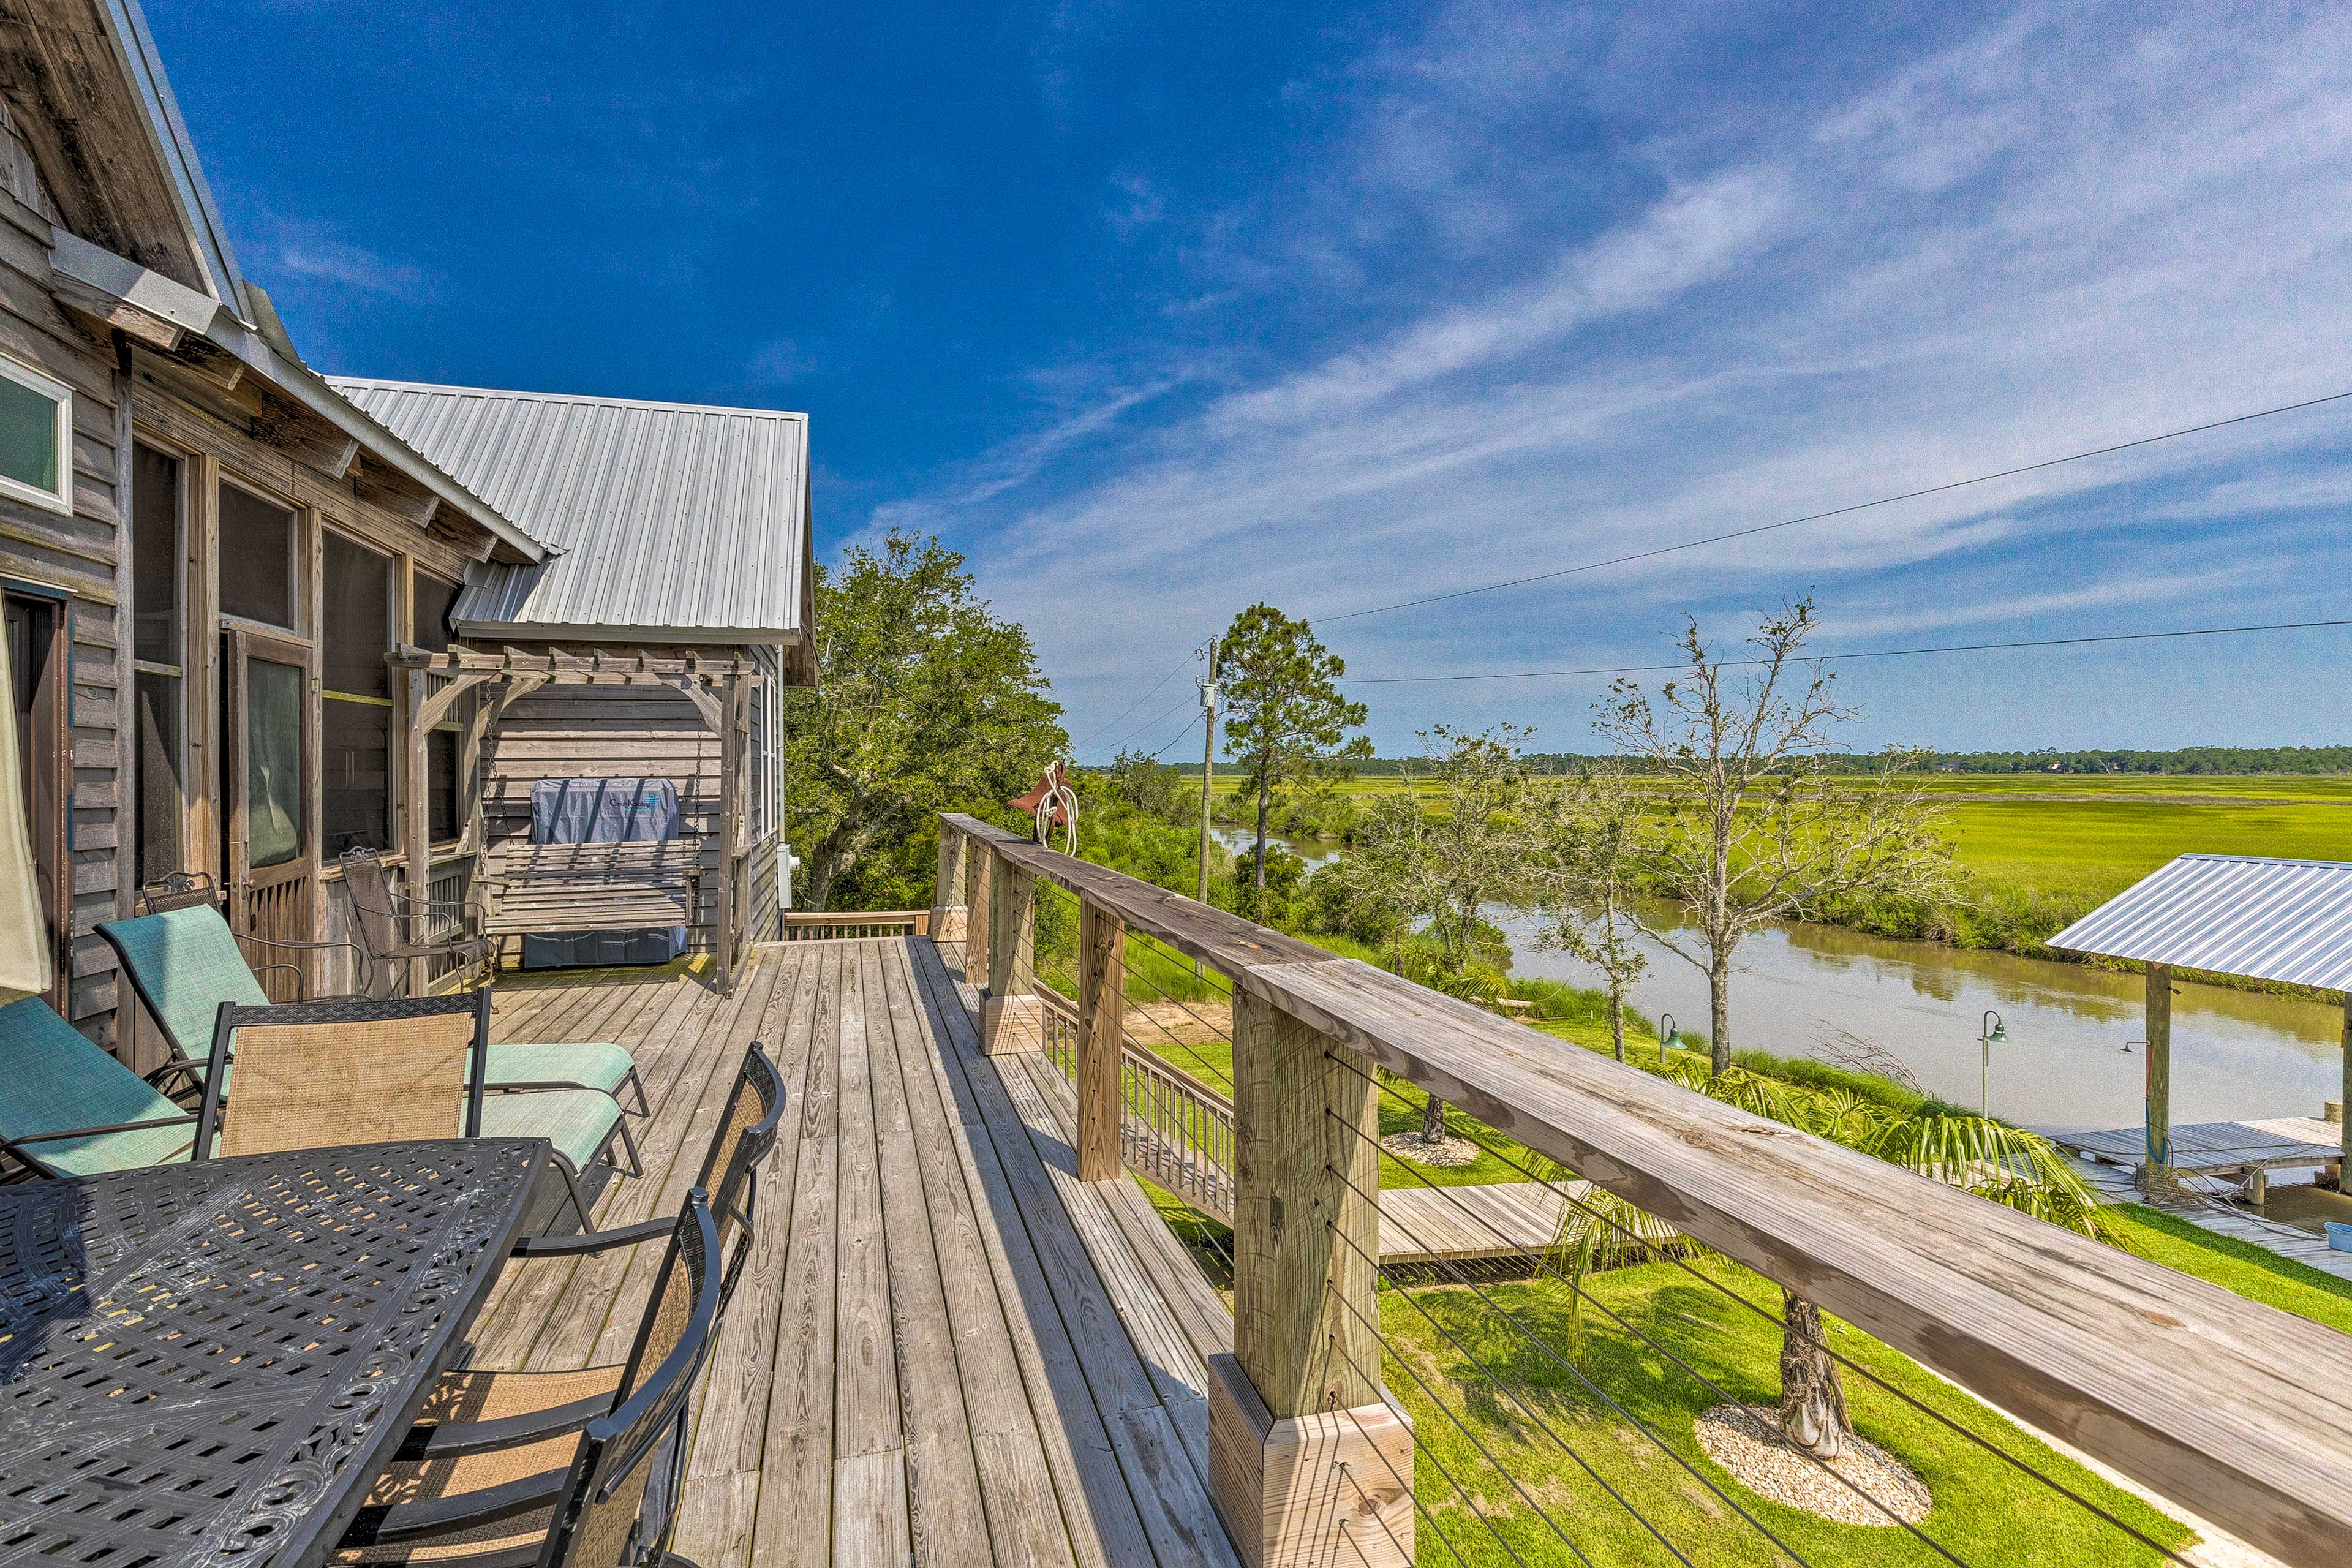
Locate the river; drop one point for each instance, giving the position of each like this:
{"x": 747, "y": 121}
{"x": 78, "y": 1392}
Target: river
{"x": 2235, "y": 1054}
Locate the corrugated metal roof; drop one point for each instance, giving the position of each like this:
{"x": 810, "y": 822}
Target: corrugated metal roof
{"x": 2233, "y": 914}
{"x": 670, "y": 519}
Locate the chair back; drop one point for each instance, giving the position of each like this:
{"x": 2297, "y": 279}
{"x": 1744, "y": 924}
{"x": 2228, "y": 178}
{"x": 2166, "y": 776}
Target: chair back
{"x": 312, "y": 1075}
{"x": 53, "y": 1079}
{"x": 746, "y": 1133}
{"x": 374, "y": 912}
{"x": 178, "y": 890}
{"x": 185, "y": 962}
{"x": 618, "y": 1503}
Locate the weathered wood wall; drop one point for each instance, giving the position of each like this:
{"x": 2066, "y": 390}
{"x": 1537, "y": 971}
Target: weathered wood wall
{"x": 79, "y": 554}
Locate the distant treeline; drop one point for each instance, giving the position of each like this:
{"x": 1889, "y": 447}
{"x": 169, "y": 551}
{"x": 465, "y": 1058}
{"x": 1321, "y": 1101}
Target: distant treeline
{"x": 2188, "y": 759}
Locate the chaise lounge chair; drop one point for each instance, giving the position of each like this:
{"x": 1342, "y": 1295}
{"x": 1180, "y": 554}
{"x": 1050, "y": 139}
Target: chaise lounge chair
{"x": 185, "y": 962}
{"x": 67, "y": 1109}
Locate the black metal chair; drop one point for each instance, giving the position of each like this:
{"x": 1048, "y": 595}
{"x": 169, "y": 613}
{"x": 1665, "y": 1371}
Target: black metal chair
{"x": 603, "y": 1496}
{"x": 385, "y": 922}
{"x": 356, "y": 1069}
{"x": 747, "y": 1130}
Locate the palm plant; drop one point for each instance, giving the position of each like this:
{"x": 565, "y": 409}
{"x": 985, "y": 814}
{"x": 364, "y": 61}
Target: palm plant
{"x": 2001, "y": 1163}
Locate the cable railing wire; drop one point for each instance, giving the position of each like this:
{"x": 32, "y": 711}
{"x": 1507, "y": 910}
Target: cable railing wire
{"x": 1452, "y": 1266}
{"x": 1437, "y": 1400}
{"x": 1543, "y": 1345}
{"x": 1766, "y": 1314}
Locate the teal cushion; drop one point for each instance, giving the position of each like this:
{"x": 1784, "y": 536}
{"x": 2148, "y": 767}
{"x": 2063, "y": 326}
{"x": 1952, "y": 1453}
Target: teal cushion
{"x": 575, "y": 1120}
{"x": 187, "y": 963}
{"x": 53, "y": 1077}
{"x": 591, "y": 1064}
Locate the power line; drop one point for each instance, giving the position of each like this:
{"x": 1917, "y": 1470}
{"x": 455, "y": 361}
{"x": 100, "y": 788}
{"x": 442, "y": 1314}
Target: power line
{"x": 1868, "y": 653}
{"x": 1139, "y": 701}
{"x": 1840, "y": 511}
{"x": 1148, "y": 725}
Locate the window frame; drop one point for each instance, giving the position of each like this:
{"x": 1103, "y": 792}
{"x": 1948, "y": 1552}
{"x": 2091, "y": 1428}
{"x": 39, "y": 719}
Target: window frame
{"x": 392, "y": 561}
{"x": 301, "y": 530}
{"x": 61, "y": 396}
{"x": 184, "y": 485}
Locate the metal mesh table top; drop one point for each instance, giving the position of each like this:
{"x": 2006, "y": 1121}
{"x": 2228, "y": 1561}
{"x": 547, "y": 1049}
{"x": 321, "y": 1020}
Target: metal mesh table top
{"x": 209, "y": 1363}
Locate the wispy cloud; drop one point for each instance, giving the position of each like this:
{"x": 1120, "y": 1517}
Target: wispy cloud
{"x": 2067, "y": 228}
{"x": 312, "y": 252}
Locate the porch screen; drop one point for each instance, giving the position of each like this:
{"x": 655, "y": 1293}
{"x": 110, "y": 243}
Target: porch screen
{"x": 273, "y": 762}
{"x": 355, "y": 712}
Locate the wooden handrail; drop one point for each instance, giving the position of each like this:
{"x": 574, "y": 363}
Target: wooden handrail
{"x": 2235, "y": 1410}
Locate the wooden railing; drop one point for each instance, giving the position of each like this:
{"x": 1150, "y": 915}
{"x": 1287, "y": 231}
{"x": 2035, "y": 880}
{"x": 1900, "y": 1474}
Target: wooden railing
{"x": 2233, "y": 1410}
{"x": 1175, "y": 1132}
{"x": 849, "y": 923}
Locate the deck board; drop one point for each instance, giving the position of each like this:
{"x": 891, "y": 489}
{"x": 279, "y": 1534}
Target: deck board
{"x": 944, "y": 1350}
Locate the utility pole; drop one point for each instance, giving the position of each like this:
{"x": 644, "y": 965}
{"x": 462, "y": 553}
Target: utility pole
{"x": 1207, "y": 685}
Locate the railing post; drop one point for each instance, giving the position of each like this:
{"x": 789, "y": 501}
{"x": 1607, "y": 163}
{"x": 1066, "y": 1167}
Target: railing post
{"x": 1011, "y": 1019}
{"x": 1102, "y": 1038}
{"x": 947, "y": 897}
{"x": 980, "y": 860}
{"x": 1305, "y": 1448}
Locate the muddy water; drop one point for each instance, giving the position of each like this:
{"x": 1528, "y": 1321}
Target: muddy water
{"x": 2065, "y": 1066}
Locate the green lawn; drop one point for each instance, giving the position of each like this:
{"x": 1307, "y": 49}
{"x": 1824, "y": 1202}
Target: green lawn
{"x": 1449, "y": 1348}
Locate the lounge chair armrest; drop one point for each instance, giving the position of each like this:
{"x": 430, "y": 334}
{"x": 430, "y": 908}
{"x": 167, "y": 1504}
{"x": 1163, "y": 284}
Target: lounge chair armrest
{"x": 436, "y": 1516}
{"x": 593, "y": 1240}
{"x": 187, "y": 1070}
{"x": 94, "y": 1131}
{"x": 457, "y": 1439}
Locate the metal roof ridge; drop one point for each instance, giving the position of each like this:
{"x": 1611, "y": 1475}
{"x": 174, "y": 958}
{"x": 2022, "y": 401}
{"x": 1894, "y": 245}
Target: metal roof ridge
{"x": 452, "y": 390}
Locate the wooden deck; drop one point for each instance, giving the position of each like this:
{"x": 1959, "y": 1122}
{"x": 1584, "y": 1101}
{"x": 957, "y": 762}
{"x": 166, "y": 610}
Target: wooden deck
{"x": 2202, "y": 1146}
{"x": 945, "y": 1350}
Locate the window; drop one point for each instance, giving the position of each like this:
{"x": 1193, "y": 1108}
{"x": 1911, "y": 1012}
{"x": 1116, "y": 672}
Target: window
{"x": 435, "y": 600}
{"x": 156, "y": 647}
{"x": 258, "y": 558}
{"x": 355, "y": 711}
{"x": 36, "y": 437}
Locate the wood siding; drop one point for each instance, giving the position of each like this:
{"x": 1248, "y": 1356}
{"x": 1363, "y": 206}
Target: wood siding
{"x": 79, "y": 554}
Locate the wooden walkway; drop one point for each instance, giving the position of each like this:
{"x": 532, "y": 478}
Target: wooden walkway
{"x": 2115, "y": 1185}
{"x": 945, "y": 1350}
{"x": 2200, "y": 1146}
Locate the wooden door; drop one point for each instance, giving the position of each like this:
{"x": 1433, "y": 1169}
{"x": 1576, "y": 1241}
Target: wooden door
{"x": 271, "y": 851}
{"x": 36, "y": 629}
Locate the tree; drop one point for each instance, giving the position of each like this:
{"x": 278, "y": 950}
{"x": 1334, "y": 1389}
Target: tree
{"x": 925, "y": 701}
{"x": 1757, "y": 823}
{"x": 2003, "y": 1165}
{"x": 1284, "y": 719}
{"x": 1593, "y": 865}
{"x": 1475, "y": 843}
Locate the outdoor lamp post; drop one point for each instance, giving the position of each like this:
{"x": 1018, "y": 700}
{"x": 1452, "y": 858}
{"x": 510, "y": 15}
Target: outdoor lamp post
{"x": 1667, "y": 1035}
{"x": 1989, "y": 1033}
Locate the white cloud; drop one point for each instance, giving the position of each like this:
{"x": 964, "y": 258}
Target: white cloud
{"x": 312, "y": 252}
{"x": 2069, "y": 229}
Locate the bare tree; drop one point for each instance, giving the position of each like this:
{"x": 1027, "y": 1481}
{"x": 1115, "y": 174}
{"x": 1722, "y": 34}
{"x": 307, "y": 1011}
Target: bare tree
{"x": 1594, "y": 861}
{"x": 1754, "y": 825}
{"x": 1442, "y": 854}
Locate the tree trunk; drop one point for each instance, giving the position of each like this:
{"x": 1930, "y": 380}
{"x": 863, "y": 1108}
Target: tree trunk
{"x": 1432, "y": 1120}
{"x": 1262, "y": 791}
{"x": 1718, "y": 1007}
{"x": 1812, "y": 1398}
{"x": 1617, "y": 1021}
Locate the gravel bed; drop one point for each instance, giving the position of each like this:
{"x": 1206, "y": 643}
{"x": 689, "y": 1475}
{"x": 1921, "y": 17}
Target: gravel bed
{"x": 1448, "y": 1152}
{"x": 1748, "y": 1442}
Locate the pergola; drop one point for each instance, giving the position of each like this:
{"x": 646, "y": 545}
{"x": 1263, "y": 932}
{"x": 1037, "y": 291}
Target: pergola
{"x": 431, "y": 687}
{"x": 2259, "y": 919}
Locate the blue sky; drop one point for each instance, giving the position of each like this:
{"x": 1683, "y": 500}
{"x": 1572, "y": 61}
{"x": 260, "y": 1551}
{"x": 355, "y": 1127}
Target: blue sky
{"x": 1158, "y": 312}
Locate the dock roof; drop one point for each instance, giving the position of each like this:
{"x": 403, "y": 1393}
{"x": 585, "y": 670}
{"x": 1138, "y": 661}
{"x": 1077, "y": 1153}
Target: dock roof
{"x": 667, "y": 521}
{"x": 2288, "y": 920}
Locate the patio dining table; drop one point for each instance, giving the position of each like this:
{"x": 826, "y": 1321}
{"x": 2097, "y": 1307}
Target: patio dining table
{"x": 210, "y": 1364}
